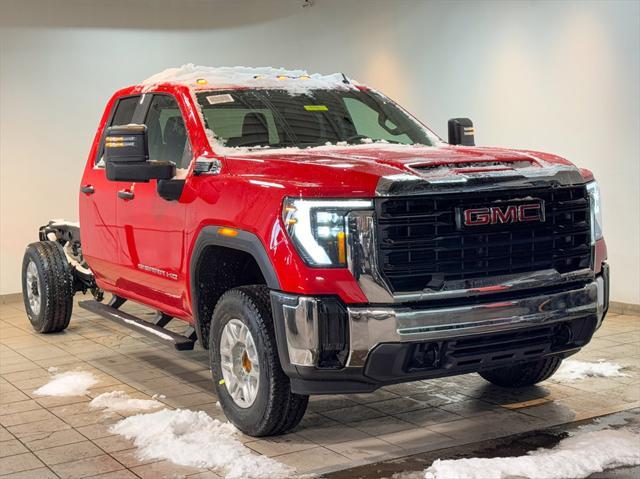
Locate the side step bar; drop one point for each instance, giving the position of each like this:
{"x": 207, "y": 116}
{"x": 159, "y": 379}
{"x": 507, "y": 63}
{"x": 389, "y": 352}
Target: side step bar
{"x": 155, "y": 331}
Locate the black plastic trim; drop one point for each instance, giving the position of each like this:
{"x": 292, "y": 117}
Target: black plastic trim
{"x": 151, "y": 330}
{"x": 140, "y": 171}
{"x": 170, "y": 190}
{"x": 420, "y": 244}
{"x": 604, "y": 272}
{"x": 244, "y": 241}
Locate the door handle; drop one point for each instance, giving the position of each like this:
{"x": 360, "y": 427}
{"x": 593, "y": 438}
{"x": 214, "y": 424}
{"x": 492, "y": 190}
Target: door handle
{"x": 126, "y": 194}
{"x": 88, "y": 189}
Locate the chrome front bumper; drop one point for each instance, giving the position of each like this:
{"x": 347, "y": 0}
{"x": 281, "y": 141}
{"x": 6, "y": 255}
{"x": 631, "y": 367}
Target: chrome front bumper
{"x": 304, "y": 319}
{"x": 372, "y": 326}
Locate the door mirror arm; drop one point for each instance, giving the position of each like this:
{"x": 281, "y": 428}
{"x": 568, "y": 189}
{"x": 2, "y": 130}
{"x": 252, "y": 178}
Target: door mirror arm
{"x": 170, "y": 190}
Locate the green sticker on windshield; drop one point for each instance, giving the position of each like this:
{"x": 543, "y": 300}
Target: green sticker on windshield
{"x": 316, "y": 108}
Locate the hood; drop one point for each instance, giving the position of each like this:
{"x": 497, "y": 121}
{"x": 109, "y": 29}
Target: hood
{"x": 369, "y": 169}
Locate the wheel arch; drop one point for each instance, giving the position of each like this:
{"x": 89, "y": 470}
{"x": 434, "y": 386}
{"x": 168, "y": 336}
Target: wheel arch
{"x": 245, "y": 261}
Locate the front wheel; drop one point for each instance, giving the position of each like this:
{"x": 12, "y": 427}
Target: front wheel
{"x": 254, "y": 392}
{"x": 47, "y": 287}
{"x": 521, "y": 375}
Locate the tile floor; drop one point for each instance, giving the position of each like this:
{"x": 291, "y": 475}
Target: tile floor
{"x": 61, "y": 437}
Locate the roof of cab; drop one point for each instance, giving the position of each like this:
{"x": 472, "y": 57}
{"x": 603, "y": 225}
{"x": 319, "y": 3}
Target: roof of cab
{"x": 205, "y": 78}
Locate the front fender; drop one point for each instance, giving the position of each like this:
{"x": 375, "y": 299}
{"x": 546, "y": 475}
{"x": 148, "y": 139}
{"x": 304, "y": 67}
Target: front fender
{"x": 243, "y": 241}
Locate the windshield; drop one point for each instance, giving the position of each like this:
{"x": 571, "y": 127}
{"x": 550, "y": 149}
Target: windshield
{"x": 276, "y": 118}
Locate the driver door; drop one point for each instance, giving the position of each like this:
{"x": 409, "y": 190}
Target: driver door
{"x": 151, "y": 228}
{"x": 98, "y": 202}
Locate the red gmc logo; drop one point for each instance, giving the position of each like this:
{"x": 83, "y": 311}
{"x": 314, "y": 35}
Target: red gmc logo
{"x": 492, "y": 215}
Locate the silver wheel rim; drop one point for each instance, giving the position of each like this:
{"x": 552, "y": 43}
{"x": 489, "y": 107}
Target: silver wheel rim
{"x": 33, "y": 288}
{"x": 239, "y": 362}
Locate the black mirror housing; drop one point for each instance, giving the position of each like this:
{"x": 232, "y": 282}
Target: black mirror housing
{"x": 140, "y": 172}
{"x": 461, "y": 132}
{"x": 126, "y": 154}
{"x": 126, "y": 143}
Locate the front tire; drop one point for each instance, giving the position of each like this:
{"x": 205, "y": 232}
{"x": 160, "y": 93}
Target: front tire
{"x": 254, "y": 392}
{"x": 47, "y": 287}
{"x": 522, "y": 375}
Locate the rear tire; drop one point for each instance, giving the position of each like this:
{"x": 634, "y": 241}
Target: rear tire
{"x": 269, "y": 408}
{"x": 521, "y": 375}
{"x": 47, "y": 287}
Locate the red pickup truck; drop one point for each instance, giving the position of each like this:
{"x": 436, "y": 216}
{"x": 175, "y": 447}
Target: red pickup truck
{"x": 318, "y": 239}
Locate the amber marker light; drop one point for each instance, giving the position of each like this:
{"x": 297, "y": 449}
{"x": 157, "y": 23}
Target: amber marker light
{"x": 289, "y": 215}
{"x": 228, "y": 232}
{"x": 201, "y": 81}
{"x": 342, "y": 250}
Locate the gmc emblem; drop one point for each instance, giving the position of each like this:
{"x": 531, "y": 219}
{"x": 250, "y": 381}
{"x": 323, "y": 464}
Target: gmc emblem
{"x": 491, "y": 215}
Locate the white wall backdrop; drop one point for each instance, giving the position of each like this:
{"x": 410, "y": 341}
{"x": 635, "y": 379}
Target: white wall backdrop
{"x": 558, "y": 76}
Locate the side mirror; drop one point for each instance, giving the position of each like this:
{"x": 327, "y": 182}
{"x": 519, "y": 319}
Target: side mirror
{"x": 126, "y": 154}
{"x": 461, "y": 132}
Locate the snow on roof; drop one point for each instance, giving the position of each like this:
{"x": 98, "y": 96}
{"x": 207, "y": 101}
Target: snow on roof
{"x": 294, "y": 81}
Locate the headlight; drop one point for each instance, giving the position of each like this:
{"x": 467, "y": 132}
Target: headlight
{"x": 596, "y": 211}
{"x": 318, "y": 228}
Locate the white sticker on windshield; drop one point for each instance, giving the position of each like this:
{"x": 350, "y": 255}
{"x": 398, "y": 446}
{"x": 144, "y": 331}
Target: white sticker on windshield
{"x": 217, "y": 99}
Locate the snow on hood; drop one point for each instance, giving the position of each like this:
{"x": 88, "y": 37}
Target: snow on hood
{"x": 293, "y": 81}
{"x": 345, "y": 166}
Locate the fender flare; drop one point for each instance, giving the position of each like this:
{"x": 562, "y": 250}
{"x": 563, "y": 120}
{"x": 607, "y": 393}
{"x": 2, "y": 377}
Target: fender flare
{"x": 243, "y": 241}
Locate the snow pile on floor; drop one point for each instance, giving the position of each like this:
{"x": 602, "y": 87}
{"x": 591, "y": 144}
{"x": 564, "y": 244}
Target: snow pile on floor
{"x": 572, "y": 370}
{"x": 192, "y": 438}
{"x": 293, "y": 81}
{"x": 575, "y": 457}
{"x": 71, "y": 383}
{"x": 117, "y": 401}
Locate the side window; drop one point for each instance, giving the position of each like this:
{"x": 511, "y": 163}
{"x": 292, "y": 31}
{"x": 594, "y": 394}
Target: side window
{"x": 124, "y": 111}
{"x": 365, "y": 119}
{"x": 122, "y": 115}
{"x": 167, "y": 133}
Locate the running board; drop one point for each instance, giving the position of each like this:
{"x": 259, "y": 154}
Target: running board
{"x": 155, "y": 331}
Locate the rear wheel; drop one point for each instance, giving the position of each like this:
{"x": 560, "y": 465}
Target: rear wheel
{"x": 521, "y": 375}
{"x": 254, "y": 392}
{"x": 47, "y": 287}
